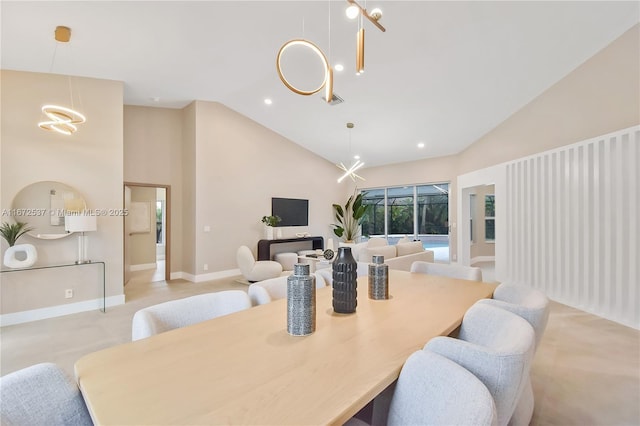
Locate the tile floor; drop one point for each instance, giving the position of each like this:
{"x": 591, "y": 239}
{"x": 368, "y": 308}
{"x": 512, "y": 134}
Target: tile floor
{"x": 586, "y": 370}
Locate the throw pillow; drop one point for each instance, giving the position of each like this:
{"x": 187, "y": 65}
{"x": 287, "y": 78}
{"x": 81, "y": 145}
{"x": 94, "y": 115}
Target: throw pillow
{"x": 409, "y": 248}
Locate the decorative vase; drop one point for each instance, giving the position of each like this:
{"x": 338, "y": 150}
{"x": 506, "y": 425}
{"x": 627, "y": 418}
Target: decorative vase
{"x": 345, "y": 275}
{"x": 378, "y": 279}
{"x": 27, "y": 251}
{"x": 301, "y": 301}
{"x": 268, "y": 232}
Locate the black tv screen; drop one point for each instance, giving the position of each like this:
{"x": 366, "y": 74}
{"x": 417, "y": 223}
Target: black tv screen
{"x": 292, "y": 211}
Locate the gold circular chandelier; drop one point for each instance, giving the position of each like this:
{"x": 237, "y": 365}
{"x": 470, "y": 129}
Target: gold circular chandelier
{"x": 62, "y": 120}
{"x": 327, "y": 82}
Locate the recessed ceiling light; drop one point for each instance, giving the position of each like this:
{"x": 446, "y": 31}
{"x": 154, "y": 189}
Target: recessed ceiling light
{"x": 268, "y": 101}
{"x": 421, "y": 145}
{"x": 339, "y": 67}
{"x": 356, "y": 157}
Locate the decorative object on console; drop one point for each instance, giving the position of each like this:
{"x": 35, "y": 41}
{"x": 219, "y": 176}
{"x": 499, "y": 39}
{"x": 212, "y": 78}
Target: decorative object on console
{"x": 81, "y": 223}
{"x": 350, "y": 217}
{"x": 11, "y": 232}
{"x": 328, "y": 254}
{"x": 378, "y": 279}
{"x": 345, "y": 274}
{"x": 61, "y": 119}
{"x": 270, "y": 222}
{"x": 301, "y": 301}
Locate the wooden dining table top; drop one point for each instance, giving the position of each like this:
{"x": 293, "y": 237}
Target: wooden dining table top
{"x": 244, "y": 368}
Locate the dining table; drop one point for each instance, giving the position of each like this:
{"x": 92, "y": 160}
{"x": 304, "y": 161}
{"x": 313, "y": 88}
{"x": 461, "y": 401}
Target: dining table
{"x": 244, "y": 368}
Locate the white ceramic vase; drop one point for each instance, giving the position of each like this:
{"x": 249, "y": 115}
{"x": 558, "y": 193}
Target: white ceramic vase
{"x": 268, "y": 232}
{"x": 26, "y": 252}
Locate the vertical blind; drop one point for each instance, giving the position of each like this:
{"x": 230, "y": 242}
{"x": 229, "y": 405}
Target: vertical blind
{"x": 572, "y": 224}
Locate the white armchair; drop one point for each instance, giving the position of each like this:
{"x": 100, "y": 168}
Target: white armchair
{"x": 254, "y": 270}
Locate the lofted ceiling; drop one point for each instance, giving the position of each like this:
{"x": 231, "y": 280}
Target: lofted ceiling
{"x": 444, "y": 73}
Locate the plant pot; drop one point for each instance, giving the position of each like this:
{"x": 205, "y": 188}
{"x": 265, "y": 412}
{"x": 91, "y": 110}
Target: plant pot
{"x": 268, "y": 232}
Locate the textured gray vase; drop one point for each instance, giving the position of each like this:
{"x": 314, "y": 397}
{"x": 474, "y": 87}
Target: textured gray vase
{"x": 378, "y": 279}
{"x": 301, "y": 301}
{"x": 345, "y": 275}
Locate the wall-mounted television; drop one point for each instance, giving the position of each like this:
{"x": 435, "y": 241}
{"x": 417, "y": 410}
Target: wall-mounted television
{"x": 292, "y": 211}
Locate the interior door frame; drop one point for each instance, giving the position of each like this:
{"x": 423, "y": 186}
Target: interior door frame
{"x": 167, "y": 236}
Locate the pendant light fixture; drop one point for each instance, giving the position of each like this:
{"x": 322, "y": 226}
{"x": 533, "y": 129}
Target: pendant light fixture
{"x": 351, "y": 171}
{"x": 61, "y": 119}
{"x": 356, "y": 11}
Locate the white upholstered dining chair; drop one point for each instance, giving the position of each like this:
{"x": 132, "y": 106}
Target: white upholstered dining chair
{"x": 275, "y": 288}
{"x": 433, "y": 390}
{"x": 183, "y": 312}
{"x": 497, "y": 347}
{"x": 533, "y": 306}
{"x": 42, "y": 394}
{"x": 471, "y": 273}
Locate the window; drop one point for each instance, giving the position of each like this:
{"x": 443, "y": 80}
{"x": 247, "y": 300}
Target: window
{"x": 415, "y": 211}
{"x": 400, "y": 210}
{"x": 160, "y": 222}
{"x": 489, "y": 217}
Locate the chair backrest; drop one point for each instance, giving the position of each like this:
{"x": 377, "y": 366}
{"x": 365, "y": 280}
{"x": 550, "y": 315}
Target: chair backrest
{"x": 522, "y": 300}
{"x": 273, "y": 289}
{"x": 471, "y": 273}
{"x": 434, "y": 390}
{"x": 497, "y": 347}
{"x": 245, "y": 259}
{"x": 327, "y": 273}
{"x": 42, "y": 394}
{"x": 183, "y": 312}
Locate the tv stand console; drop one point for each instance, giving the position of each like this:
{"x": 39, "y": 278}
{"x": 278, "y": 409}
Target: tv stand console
{"x": 267, "y": 248}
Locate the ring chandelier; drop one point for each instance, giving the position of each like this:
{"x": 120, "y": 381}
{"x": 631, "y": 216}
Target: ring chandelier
{"x": 353, "y": 11}
{"x": 61, "y": 119}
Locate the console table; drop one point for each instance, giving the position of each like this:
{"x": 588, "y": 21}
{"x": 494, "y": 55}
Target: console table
{"x": 264, "y": 246}
{"x": 66, "y": 265}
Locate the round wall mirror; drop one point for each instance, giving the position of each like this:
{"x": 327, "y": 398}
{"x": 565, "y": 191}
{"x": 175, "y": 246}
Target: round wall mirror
{"x": 42, "y": 205}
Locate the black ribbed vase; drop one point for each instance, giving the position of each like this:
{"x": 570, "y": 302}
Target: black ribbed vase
{"x": 345, "y": 274}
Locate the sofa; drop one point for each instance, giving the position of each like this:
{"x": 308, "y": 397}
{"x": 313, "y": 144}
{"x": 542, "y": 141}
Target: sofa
{"x": 399, "y": 256}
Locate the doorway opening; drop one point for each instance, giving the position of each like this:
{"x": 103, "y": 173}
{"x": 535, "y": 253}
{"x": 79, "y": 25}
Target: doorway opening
{"x": 147, "y": 230}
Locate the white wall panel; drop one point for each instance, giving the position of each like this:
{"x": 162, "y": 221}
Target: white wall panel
{"x": 572, "y": 224}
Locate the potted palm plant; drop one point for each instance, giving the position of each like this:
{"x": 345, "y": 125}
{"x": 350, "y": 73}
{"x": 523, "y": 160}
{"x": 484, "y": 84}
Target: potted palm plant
{"x": 349, "y": 217}
{"x": 12, "y": 231}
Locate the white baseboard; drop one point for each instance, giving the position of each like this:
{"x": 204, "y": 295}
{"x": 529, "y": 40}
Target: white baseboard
{"x": 59, "y": 310}
{"x": 482, "y": 259}
{"x": 143, "y": 267}
{"x": 204, "y": 277}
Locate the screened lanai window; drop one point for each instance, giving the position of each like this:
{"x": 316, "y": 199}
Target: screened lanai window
{"x": 400, "y": 210}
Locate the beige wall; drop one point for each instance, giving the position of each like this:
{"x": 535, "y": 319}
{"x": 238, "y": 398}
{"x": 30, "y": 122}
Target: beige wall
{"x": 153, "y": 150}
{"x": 90, "y": 161}
{"x": 143, "y": 245}
{"x": 600, "y": 96}
{"x": 240, "y": 165}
